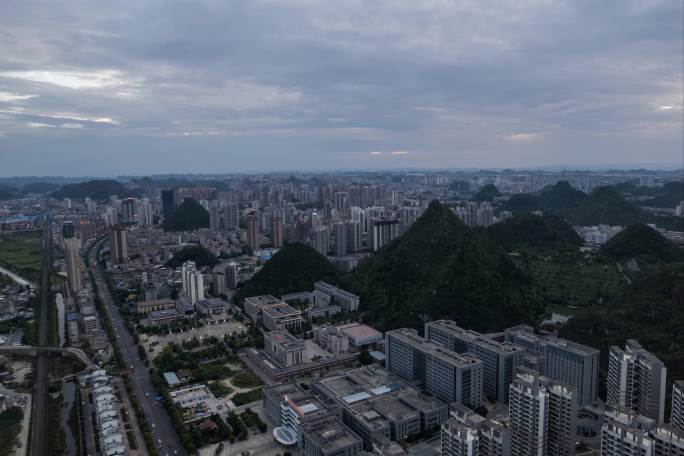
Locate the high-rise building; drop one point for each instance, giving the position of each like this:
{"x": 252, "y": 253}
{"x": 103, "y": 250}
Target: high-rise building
{"x": 561, "y": 360}
{"x": 253, "y": 241}
{"x": 232, "y": 275}
{"x": 72, "y": 248}
{"x": 321, "y": 240}
{"x": 232, "y": 215}
{"x": 145, "y": 212}
{"x": 500, "y": 359}
{"x": 636, "y": 379}
{"x": 382, "y": 232}
{"x": 193, "y": 282}
{"x": 118, "y": 244}
{"x": 67, "y": 230}
{"x": 354, "y": 236}
{"x": 468, "y": 433}
{"x": 277, "y": 232}
{"x": 626, "y": 433}
{"x": 168, "y": 203}
{"x": 677, "y": 416}
{"x": 340, "y": 239}
{"x": 128, "y": 214}
{"x": 449, "y": 376}
{"x": 543, "y": 416}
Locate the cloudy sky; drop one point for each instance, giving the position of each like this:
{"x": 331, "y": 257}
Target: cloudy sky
{"x": 141, "y": 87}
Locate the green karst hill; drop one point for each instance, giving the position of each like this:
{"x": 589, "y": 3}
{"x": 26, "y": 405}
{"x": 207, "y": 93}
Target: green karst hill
{"x": 295, "y": 267}
{"x": 643, "y": 243}
{"x": 188, "y": 216}
{"x": 534, "y": 231}
{"x": 440, "y": 268}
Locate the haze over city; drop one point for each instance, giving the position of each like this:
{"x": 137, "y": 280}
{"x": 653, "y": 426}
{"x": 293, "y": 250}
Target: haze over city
{"x": 132, "y": 87}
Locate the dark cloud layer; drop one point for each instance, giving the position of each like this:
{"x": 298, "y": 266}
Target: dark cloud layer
{"x": 198, "y": 86}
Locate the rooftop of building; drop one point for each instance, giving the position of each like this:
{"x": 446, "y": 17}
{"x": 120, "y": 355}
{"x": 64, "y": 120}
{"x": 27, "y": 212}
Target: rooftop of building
{"x": 167, "y": 313}
{"x": 285, "y": 339}
{"x": 262, "y": 300}
{"x": 330, "y": 435}
{"x": 213, "y": 303}
{"x": 359, "y": 331}
{"x": 411, "y": 336}
{"x": 281, "y": 310}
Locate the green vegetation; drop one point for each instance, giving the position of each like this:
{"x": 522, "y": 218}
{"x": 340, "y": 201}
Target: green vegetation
{"x": 643, "y": 243}
{"x": 188, "y": 216}
{"x": 20, "y": 252}
{"x": 196, "y": 253}
{"x": 532, "y": 230}
{"x": 605, "y": 205}
{"x": 219, "y": 389}
{"x": 7, "y": 193}
{"x": 522, "y": 202}
{"x": 561, "y": 197}
{"x": 442, "y": 269}
{"x": 95, "y": 189}
{"x": 295, "y": 267}
{"x": 245, "y": 379}
{"x": 56, "y": 439}
{"x": 10, "y": 426}
{"x": 252, "y": 420}
{"x": 39, "y": 187}
{"x": 649, "y": 310}
{"x": 247, "y": 397}
{"x": 669, "y": 195}
{"x": 568, "y": 278}
{"x": 487, "y": 193}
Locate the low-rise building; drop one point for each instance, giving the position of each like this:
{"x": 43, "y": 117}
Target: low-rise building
{"x": 360, "y": 335}
{"x": 145, "y": 307}
{"x": 162, "y": 317}
{"x": 281, "y": 316}
{"x": 286, "y": 349}
{"x": 213, "y": 308}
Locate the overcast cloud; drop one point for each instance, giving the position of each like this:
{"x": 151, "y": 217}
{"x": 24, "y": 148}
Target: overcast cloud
{"x": 142, "y": 87}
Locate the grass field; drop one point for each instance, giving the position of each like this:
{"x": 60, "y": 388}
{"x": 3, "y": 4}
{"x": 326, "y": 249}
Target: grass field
{"x": 20, "y": 252}
{"x": 576, "y": 282}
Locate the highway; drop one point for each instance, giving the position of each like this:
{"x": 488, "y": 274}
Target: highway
{"x": 159, "y": 421}
{"x": 39, "y": 422}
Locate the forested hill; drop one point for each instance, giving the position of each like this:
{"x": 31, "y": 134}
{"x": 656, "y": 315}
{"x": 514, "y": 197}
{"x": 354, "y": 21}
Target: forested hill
{"x": 440, "y": 268}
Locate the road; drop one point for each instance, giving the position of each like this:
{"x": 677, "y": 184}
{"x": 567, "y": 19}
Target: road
{"x": 39, "y": 421}
{"x": 16, "y": 277}
{"x": 158, "y": 419}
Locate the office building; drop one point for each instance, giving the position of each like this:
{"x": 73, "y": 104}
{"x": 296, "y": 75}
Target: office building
{"x": 329, "y": 437}
{"x": 72, "y": 253}
{"x": 193, "y": 282}
{"x": 636, "y": 380}
{"x": 543, "y": 416}
{"x": 347, "y": 301}
{"x": 331, "y": 339}
{"x": 450, "y": 376}
{"x": 284, "y": 348}
{"x": 500, "y": 359}
{"x": 281, "y": 316}
{"x": 253, "y": 239}
{"x": 379, "y": 407}
{"x": 67, "y": 230}
{"x": 562, "y": 360}
{"x": 468, "y": 433}
{"x": 677, "y": 415}
{"x": 118, "y": 245}
{"x": 277, "y": 232}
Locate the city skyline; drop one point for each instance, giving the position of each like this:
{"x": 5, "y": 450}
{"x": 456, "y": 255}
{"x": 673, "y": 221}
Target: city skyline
{"x": 138, "y": 89}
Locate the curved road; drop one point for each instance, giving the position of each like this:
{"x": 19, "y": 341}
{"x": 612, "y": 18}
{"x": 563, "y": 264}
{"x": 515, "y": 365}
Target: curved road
{"x": 74, "y": 352}
{"x": 159, "y": 421}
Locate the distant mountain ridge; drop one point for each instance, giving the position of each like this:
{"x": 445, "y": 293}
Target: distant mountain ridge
{"x": 95, "y": 189}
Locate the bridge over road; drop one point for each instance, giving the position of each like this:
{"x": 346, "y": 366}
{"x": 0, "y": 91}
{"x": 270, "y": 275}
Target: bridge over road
{"x": 29, "y": 350}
